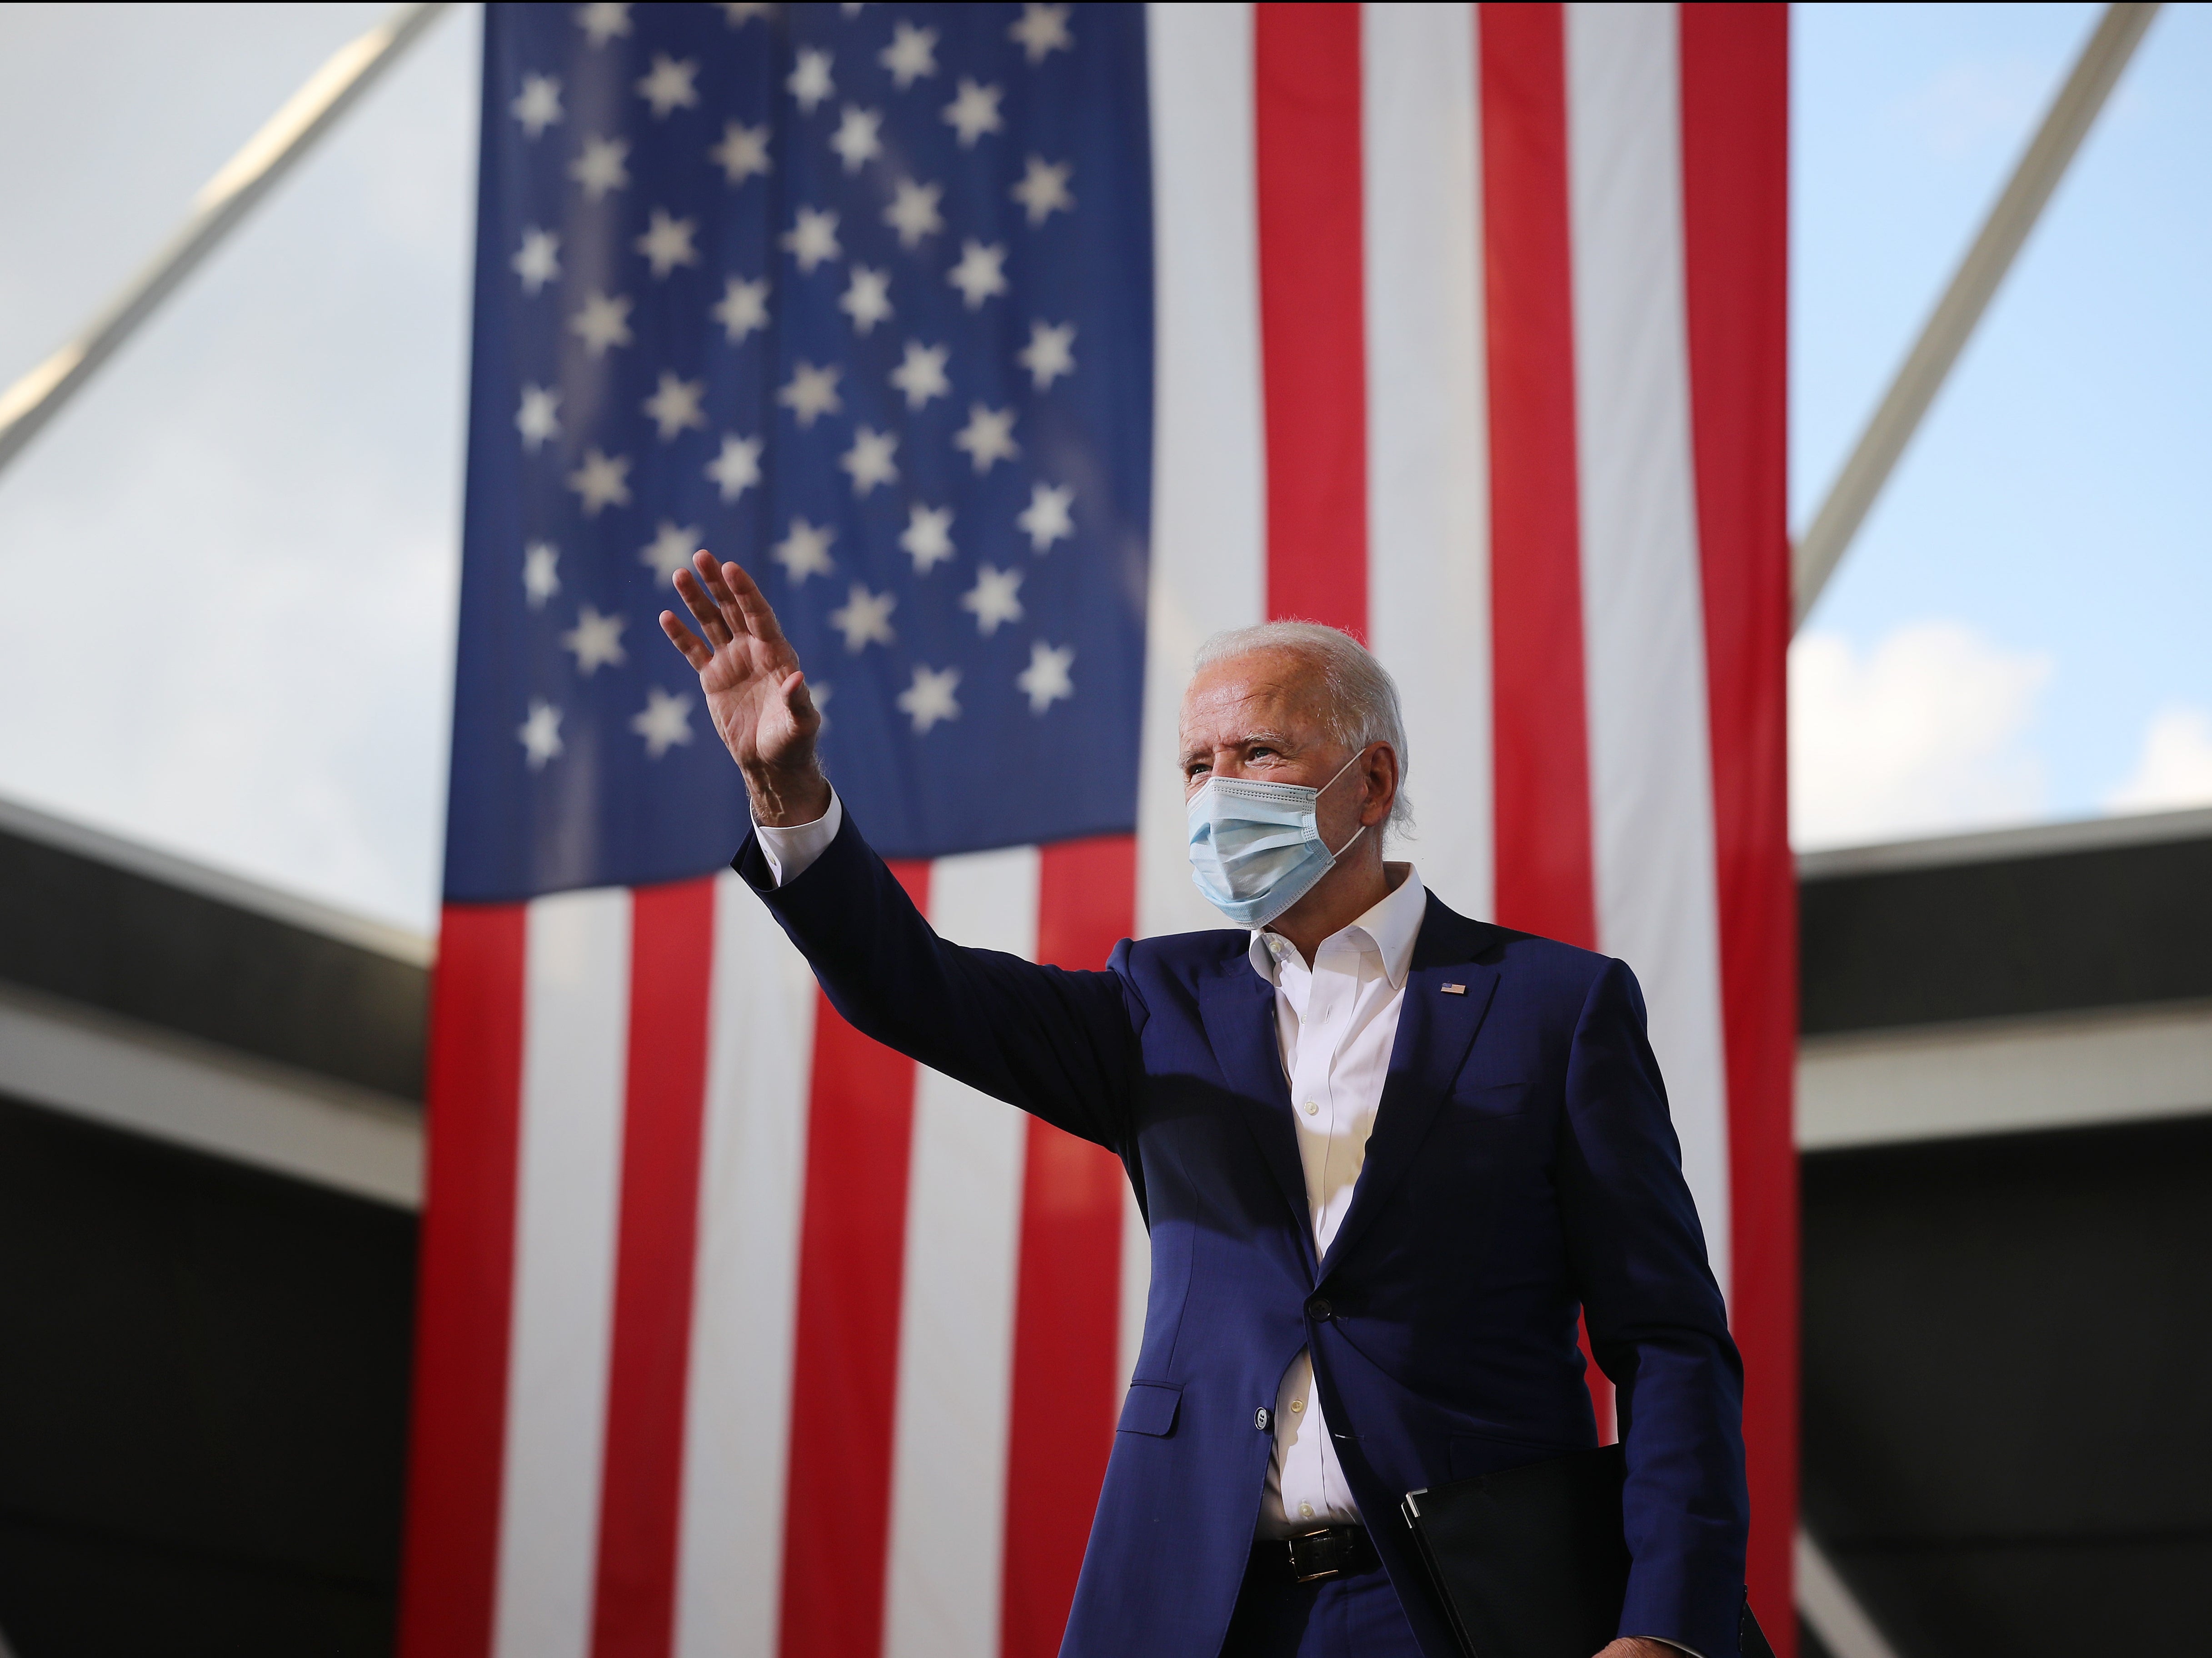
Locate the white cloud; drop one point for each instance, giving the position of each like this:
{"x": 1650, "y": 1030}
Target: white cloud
{"x": 2175, "y": 766}
{"x": 1922, "y": 735}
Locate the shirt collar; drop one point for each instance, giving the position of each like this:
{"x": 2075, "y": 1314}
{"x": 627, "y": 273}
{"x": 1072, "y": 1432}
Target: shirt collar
{"x": 1391, "y": 926}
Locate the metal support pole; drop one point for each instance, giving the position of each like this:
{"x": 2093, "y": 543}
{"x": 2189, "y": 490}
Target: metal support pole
{"x": 222, "y": 201}
{"x": 1961, "y": 306}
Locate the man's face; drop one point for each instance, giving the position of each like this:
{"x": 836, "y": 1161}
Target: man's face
{"x": 1257, "y": 715}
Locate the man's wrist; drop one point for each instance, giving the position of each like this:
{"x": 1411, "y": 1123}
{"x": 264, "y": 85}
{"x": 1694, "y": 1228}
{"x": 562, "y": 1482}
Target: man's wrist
{"x": 786, "y": 796}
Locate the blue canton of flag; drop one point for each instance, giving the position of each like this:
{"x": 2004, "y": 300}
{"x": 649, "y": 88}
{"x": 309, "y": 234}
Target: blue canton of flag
{"x": 861, "y": 298}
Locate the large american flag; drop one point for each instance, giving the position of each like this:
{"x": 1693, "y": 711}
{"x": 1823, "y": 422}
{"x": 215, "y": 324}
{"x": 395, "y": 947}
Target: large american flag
{"x": 1015, "y": 349}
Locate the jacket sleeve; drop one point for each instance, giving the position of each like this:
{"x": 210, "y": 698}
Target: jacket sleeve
{"x": 1658, "y": 1329}
{"x": 1059, "y": 1044}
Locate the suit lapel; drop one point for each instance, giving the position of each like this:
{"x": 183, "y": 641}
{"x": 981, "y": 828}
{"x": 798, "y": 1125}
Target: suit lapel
{"x": 1238, "y": 1006}
{"x": 1434, "y": 1030}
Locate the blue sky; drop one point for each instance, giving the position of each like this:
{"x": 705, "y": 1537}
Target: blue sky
{"x": 2047, "y": 540}
{"x": 268, "y": 479}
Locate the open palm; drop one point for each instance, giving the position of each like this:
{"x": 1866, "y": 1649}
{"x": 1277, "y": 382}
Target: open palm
{"x": 755, "y": 689}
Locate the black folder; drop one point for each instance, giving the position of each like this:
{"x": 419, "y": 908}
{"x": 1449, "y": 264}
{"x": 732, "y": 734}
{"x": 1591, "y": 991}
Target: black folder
{"x": 1531, "y": 1562}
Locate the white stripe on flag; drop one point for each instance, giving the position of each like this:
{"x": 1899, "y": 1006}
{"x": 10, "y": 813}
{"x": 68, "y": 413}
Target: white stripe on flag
{"x": 1209, "y": 505}
{"x": 1643, "y": 598}
{"x": 567, "y": 1180}
{"x": 1427, "y": 446}
{"x": 744, "y": 1291}
{"x": 956, "y": 1309}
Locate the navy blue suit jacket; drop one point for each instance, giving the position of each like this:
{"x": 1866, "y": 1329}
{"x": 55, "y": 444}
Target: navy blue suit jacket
{"x": 1522, "y": 1167}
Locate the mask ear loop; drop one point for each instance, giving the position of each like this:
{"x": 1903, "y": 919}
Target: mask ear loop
{"x": 1324, "y": 789}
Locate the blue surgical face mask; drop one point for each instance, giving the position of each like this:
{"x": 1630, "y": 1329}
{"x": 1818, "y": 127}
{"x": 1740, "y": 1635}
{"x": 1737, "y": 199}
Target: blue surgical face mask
{"x": 1255, "y": 848}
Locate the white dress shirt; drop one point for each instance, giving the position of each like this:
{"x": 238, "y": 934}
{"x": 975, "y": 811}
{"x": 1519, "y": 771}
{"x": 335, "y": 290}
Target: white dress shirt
{"x": 1334, "y": 1025}
{"x": 790, "y": 851}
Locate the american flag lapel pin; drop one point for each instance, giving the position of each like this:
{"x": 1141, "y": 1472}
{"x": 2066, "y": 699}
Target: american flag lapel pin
{"x": 1454, "y": 990}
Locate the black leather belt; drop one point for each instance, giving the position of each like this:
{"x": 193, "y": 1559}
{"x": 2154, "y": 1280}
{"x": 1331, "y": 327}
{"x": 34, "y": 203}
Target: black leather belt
{"x": 1332, "y": 1551}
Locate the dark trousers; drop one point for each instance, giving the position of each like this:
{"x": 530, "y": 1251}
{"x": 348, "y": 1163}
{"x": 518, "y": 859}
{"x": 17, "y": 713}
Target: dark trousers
{"x": 1354, "y": 1616}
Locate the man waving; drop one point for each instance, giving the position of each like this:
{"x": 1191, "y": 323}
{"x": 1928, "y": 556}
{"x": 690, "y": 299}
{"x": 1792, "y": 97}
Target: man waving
{"x": 1387, "y": 1155}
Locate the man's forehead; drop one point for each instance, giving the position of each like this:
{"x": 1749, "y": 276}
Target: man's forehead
{"x": 1264, "y": 694}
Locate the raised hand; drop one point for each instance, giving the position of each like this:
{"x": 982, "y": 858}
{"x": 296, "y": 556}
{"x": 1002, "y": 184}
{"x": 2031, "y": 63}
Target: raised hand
{"x": 756, "y": 692}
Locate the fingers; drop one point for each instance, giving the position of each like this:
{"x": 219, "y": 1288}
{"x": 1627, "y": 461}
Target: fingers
{"x": 685, "y": 640}
{"x": 752, "y": 603}
{"x": 701, "y": 603}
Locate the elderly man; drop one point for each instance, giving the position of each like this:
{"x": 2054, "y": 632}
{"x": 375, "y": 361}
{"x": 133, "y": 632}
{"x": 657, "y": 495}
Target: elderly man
{"x": 1385, "y": 1154}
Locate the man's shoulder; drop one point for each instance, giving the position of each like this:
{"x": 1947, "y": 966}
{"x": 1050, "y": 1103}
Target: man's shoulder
{"x": 1529, "y": 960}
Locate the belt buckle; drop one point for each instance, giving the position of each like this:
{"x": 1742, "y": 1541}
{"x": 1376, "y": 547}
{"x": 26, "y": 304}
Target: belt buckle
{"x": 1299, "y": 1572}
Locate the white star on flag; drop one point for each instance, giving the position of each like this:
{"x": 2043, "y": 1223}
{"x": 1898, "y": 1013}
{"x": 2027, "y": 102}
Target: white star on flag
{"x": 869, "y": 460}
{"x": 603, "y": 20}
{"x": 855, "y": 140}
{"x": 736, "y": 469}
{"x": 670, "y": 549}
{"x": 1050, "y": 353}
{"x": 667, "y": 243}
{"x": 1046, "y": 519}
{"x": 1041, "y": 30}
{"x": 974, "y": 112}
{"x": 988, "y": 437}
{"x": 742, "y": 12}
{"x": 994, "y": 599}
{"x": 921, "y": 375}
{"x": 742, "y": 152}
{"x": 1045, "y": 680}
{"x": 669, "y": 86}
{"x": 595, "y": 640}
{"x": 537, "y": 261}
{"x": 981, "y": 273}
{"x": 1043, "y": 189}
{"x": 867, "y": 299}
{"x": 540, "y": 733}
{"x": 540, "y": 417}
{"x": 913, "y": 212}
{"x": 865, "y": 618}
{"x": 743, "y": 308}
{"x": 813, "y": 392}
{"x": 600, "y": 168}
{"x": 603, "y": 322}
{"x": 675, "y": 406}
{"x": 538, "y": 105}
{"x": 665, "y": 722}
{"x": 809, "y": 80}
{"x": 541, "y": 573}
{"x": 805, "y": 551}
{"x": 911, "y": 55}
{"x": 602, "y": 481}
{"x": 813, "y": 240}
{"x": 929, "y": 699}
{"x": 927, "y": 536}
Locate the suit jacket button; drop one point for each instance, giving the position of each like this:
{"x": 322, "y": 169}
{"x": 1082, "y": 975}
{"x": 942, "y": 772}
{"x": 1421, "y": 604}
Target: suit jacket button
{"x": 1320, "y": 1308}
{"x": 1259, "y": 1418}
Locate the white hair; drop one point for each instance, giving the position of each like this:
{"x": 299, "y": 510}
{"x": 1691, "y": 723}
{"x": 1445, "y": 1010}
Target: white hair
{"x": 1360, "y": 700}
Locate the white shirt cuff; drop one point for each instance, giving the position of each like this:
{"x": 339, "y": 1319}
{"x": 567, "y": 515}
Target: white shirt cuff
{"x": 790, "y": 851}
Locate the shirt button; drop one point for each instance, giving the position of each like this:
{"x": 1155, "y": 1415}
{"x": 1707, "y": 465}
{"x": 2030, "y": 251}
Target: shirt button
{"x": 1297, "y": 1404}
{"x": 1306, "y": 1510}
{"x": 1310, "y": 1108}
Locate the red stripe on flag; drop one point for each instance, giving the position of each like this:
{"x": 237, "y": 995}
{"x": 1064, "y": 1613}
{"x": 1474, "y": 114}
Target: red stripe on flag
{"x": 1736, "y": 149}
{"x": 852, "y": 1255}
{"x": 1067, "y": 1296}
{"x": 464, "y": 1279}
{"x": 1541, "y": 727}
{"x": 1312, "y": 311}
{"x": 672, "y": 967}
